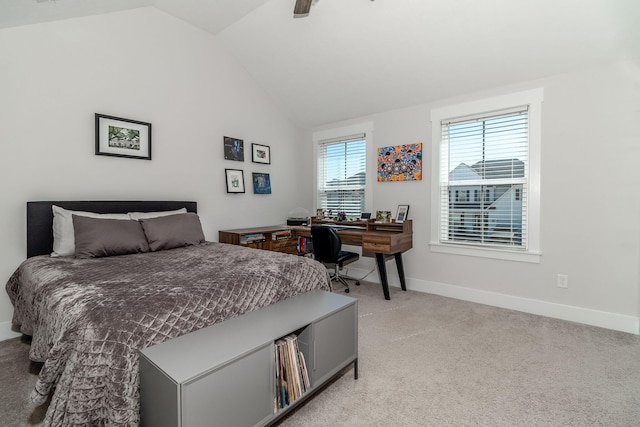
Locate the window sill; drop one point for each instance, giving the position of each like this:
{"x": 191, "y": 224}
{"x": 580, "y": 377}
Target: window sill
{"x": 508, "y": 255}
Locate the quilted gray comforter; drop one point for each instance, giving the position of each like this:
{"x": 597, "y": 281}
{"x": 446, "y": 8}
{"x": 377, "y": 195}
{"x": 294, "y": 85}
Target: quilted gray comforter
{"x": 89, "y": 317}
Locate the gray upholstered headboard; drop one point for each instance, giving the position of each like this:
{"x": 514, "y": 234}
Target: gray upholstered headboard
{"x": 40, "y": 217}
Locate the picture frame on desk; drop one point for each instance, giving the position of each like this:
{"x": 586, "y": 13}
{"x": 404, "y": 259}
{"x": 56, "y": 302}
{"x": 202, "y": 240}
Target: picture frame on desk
{"x": 402, "y": 213}
{"x": 383, "y": 216}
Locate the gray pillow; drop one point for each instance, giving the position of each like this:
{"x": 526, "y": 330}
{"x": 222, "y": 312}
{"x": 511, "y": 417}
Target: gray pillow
{"x": 63, "y": 240}
{"x": 172, "y": 231}
{"x": 99, "y": 237}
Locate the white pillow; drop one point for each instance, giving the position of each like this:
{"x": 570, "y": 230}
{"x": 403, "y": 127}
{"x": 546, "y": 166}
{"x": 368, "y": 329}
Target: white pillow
{"x": 145, "y": 215}
{"x": 64, "y": 242}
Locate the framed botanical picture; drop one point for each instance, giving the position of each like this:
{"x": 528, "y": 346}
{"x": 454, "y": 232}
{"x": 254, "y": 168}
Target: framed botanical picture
{"x": 261, "y": 183}
{"x": 235, "y": 180}
{"x": 402, "y": 213}
{"x": 260, "y": 154}
{"x": 120, "y": 137}
{"x": 233, "y": 149}
{"x": 383, "y": 216}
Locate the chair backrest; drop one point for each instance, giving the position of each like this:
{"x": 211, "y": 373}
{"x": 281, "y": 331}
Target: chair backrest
{"x": 326, "y": 243}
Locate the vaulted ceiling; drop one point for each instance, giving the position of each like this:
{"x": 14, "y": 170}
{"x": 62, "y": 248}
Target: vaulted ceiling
{"x": 350, "y": 58}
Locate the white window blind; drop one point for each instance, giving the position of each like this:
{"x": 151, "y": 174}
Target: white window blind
{"x": 484, "y": 179}
{"x": 342, "y": 174}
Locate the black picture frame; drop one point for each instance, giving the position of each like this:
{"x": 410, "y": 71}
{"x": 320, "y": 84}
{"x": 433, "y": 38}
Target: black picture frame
{"x": 235, "y": 180}
{"x": 261, "y": 154}
{"x": 233, "y": 149}
{"x": 120, "y": 137}
{"x": 402, "y": 214}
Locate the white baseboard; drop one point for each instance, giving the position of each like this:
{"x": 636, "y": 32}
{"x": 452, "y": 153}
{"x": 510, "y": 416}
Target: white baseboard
{"x": 6, "y": 333}
{"x": 602, "y": 319}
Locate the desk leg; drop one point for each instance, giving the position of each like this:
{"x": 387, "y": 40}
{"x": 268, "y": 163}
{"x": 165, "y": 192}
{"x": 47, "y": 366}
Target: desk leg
{"x": 398, "y": 257}
{"x": 382, "y": 269}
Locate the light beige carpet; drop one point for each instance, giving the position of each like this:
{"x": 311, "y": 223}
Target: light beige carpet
{"x": 426, "y": 360}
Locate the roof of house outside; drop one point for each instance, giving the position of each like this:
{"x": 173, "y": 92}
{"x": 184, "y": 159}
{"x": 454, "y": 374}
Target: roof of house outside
{"x": 490, "y": 169}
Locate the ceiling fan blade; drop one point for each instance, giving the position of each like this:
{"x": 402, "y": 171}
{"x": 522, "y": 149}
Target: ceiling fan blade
{"x": 302, "y": 7}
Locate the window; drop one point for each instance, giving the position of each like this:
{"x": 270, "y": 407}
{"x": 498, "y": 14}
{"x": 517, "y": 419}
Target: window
{"x": 476, "y": 153}
{"x": 488, "y": 147}
{"x": 342, "y": 174}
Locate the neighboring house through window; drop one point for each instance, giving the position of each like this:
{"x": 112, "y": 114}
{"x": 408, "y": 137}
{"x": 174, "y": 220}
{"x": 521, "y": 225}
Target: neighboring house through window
{"x": 486, "y": 162}
{"x": 341, "y": 174}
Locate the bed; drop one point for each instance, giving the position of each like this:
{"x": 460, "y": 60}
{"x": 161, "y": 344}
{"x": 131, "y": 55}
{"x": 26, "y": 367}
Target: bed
{"x": 90, "y": 316}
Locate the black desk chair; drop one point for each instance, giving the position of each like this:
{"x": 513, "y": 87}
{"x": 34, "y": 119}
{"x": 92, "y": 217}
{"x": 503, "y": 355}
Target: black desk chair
{"x": 327, "y": 248}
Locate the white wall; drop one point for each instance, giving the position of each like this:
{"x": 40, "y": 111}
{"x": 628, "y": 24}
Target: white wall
{"x": 143, "y": 65}
{"x": 590, "y": 203}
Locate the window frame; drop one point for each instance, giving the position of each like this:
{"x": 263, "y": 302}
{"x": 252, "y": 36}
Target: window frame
{"x": 533, "y": 98}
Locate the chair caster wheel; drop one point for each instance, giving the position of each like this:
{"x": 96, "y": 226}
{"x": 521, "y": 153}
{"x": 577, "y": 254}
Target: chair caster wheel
{"x": 346, "y": 291}
{"x": 357, "y": 283}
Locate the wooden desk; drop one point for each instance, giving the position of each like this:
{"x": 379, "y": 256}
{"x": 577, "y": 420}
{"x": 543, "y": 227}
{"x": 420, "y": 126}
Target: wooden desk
{"x": 377, "y": 239}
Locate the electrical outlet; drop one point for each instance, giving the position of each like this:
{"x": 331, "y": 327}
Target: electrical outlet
{"x": 563, "y": 281}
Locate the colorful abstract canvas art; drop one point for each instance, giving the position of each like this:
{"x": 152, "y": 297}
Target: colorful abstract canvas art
{"x": 400, "y": 163}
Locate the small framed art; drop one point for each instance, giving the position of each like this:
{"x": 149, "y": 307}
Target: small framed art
{"x": 233, "y": 149}
{"x": 402, "y": 213}
{"x": 260, "y": 154}
{"x": 235, "y": 180}
{"x": 383, "y": 216}
{"x": 261, "y": 183}
{"x": 120, "y": 137}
